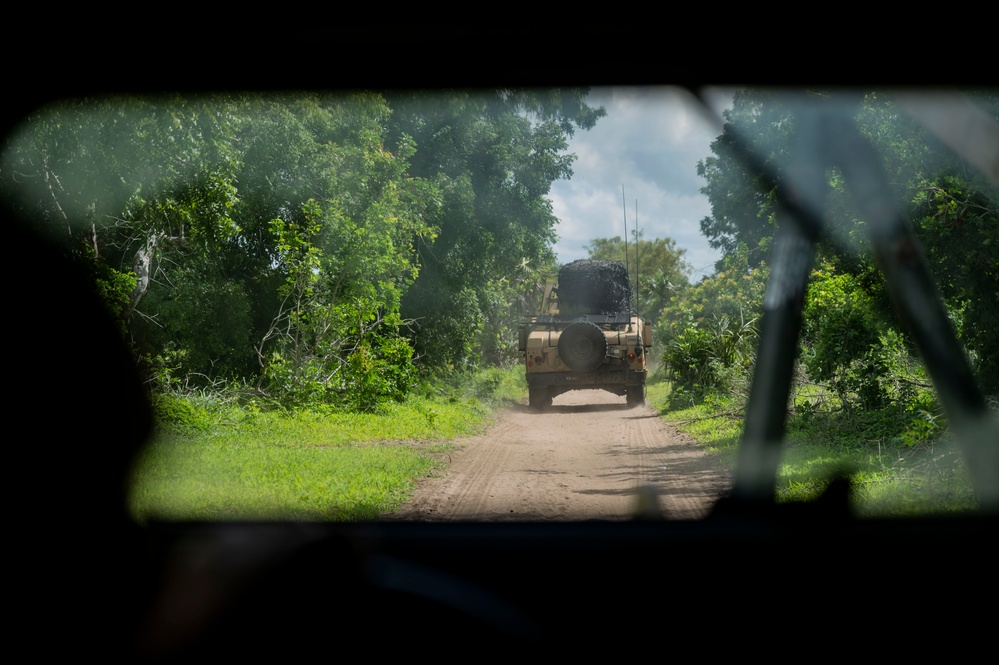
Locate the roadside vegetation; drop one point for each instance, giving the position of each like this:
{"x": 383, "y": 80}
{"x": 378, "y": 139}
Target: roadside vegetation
{"x": 898, "y": 462}
{"x": 219, "y": 458}
{"x": 322, "y": 291}
{"x": 862, "y": 405}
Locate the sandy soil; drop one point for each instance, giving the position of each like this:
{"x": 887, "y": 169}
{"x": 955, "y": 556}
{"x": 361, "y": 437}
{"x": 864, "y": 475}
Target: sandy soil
{"x": 589, "y": 457}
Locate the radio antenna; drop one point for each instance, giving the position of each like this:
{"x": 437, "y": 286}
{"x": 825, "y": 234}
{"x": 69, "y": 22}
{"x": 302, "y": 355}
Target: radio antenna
{"x": 624, "y": 209}
{"x": 637, "y": 267}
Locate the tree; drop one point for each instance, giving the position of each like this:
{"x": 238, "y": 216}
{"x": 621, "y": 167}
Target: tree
{"x": 493, "y": 156}
{"x": 306, "y": 244}
{"x": 953, "y": 208}
{"x": 741, "y": 195}
{"x": 663, "y": 274}
{"x": 347, "y": 256}
{"x": 269, "y": 236}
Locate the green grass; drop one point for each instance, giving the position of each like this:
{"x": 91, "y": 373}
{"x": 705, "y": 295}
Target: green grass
{"x": 713, "y": 424}
{"x": 215, "y": 480}
{"x": 215, "y": 461}
{"x": 225, "y": 462}
{"x": 892, "y": 472}
{"x": 889, "y": 476}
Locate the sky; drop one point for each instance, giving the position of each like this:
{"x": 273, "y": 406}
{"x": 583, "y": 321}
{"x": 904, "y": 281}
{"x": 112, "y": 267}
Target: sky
{"x": 649, "y": 143}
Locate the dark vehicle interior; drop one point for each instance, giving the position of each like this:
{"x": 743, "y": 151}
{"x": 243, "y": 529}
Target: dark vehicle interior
{"x": 94, "y": 582}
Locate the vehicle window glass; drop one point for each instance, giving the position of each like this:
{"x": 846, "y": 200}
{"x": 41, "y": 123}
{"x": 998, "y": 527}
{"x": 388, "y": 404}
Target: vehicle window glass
{"x": 538, "y": 304}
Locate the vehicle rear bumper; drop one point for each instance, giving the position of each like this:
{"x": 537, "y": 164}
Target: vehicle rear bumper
{"x": 585, "y": 380}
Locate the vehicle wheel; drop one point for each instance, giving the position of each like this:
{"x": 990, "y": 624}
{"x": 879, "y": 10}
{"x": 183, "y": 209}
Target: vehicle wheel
{"x": 582, "y": 346}
{"x": 635, "y": 396}
{"x": 539, "y": 399}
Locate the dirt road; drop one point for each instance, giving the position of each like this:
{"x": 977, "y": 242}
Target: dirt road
{"x": 589, "y": 457}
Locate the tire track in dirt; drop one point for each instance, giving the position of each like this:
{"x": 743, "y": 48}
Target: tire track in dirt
{"x": 684, "y": 480}
{"x": 589, "y": 457}
{"x": 470, "y": 490}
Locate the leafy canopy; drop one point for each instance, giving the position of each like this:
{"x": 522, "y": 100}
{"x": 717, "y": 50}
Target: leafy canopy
{"x": 657, "y": 269}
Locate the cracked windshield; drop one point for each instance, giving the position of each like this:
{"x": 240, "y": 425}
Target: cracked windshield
{"x": 538, "y": 304}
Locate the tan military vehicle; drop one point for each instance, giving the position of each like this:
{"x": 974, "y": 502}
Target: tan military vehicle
{"x": 586, "y": 336}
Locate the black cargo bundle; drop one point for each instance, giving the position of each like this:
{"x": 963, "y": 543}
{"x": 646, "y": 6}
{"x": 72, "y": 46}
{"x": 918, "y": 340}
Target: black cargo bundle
{"x": 593, "y": 287}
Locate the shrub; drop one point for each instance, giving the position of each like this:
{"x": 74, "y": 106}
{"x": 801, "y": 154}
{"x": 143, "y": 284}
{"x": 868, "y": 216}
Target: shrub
{"x": 850, "y": 346}
{"x": 707, "y": 338}
{"x": 175, "y": 413}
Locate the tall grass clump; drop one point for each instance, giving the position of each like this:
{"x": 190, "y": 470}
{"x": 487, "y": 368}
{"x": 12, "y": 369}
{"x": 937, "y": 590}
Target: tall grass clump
{"x": 233, "y": 456}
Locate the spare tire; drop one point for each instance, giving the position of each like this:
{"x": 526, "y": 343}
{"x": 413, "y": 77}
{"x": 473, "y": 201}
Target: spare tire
{"x": 582, "y": 346}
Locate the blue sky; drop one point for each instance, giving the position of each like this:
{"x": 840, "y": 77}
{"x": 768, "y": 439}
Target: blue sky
{"x": 649, "y": 143}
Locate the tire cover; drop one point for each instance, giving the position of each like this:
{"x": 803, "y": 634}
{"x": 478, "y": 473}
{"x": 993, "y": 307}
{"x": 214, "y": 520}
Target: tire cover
{"x": 593, "y": 287}
{"x": 582, "y": 346}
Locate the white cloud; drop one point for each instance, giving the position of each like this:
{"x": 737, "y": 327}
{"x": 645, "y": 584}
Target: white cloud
{"x": 649, "y": 142}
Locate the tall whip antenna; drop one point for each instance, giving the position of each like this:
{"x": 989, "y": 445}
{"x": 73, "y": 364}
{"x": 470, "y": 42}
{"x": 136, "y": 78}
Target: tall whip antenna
{"x": 624, "y": 209}
{"x": 637, "y": 267}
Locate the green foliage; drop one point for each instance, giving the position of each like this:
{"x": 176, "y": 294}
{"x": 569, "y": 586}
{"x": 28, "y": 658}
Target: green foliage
{"x": 206, "y": 478}
{"x": 743, "y": 203}
{"x": 164, "y": 370}
{"x": 258, "y": 230}
{"x": 495, "y": 386}
{"x": 218, "y": 458}
{"x": 702, "y": 361}
{"x": 493, "y": 156}
{"x": 890, "y": 475}
{"x": 874, "y": 393}
{"x": 174, "y": 413}
{"x": 957, "y": 219}
{"x": 115, "y": 287}
{"x": 275, "y": 241}
{"x": 923, "y": 426}
{"x": 898, "y": 458}
{"x": 687, "y": 357}
{"x": 448, "y": 328}
{"x": 346, "y": 261}
{"x": 736, "y": 291}
{"x": 707, "y": 337}
{"x": 849, "y": 344}
{"x": 377, "y": 374}
{"x": 875, "y": 418}
{"x": 664, "y": 272}
{"x": 954, "y": 209}
{"x": 716, "y": 423}
{"x": 206, "y": 314}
